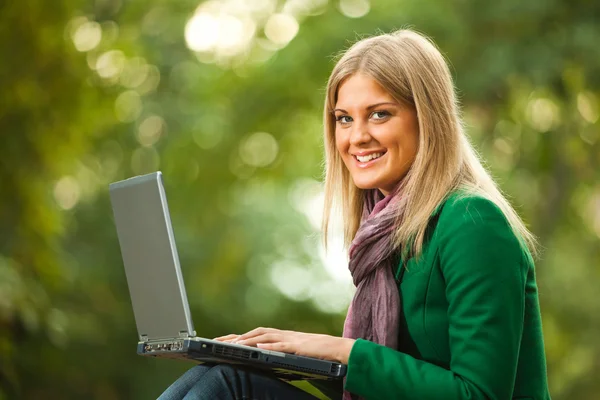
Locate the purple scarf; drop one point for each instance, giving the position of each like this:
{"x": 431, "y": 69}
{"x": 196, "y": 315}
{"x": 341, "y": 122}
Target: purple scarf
{"x": 374, "y": 312}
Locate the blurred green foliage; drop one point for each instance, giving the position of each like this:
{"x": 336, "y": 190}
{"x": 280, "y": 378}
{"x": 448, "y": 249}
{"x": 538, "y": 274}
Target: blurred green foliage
{"x": 94, "y": 92}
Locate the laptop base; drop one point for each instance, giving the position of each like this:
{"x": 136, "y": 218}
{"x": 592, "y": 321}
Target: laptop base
{"x": 283, "y": 365}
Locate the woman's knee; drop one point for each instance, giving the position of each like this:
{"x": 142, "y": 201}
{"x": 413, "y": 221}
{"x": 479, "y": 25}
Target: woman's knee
{"x": 181, "y": 386}
{"x": 193, "y": 375}
{"x": 197, "y": 371}
{"x": 227, "y": 374}
{"x": 220, "y": 381}
{"x": 226, "y": 369}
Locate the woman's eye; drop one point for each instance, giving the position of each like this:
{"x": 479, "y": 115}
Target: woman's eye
{"x": 380, "y": 114}
{"x": 344, "y": 119}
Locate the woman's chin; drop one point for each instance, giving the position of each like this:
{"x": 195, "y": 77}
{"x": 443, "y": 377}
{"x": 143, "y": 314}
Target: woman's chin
{"x": 381, "y": 186}
{"x": 365, "y": 185}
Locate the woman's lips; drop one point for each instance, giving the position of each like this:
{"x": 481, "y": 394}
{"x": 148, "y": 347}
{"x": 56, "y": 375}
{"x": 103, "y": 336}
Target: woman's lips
{"x": 367, "y": 164}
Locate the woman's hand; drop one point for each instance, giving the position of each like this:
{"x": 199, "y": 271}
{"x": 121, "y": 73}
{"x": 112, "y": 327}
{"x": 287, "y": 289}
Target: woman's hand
{"x": 303, "y": 344}
{"x": 228, "y": 338}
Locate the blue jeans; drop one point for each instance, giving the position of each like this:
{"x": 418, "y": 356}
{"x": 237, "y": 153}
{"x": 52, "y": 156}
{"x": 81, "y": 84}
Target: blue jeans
{"x": 226, "y": 382}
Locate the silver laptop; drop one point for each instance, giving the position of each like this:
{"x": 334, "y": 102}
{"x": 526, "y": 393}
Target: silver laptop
{"x": 160, "y": 305}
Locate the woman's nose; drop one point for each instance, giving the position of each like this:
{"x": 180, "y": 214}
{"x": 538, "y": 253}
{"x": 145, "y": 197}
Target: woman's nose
{"x": 359, "y": 134}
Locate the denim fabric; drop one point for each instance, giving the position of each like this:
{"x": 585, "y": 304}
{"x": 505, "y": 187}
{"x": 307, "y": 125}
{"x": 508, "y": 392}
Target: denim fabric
{"x": 226, "y": 382}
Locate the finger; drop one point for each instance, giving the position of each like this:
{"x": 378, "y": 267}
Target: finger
{"x": 264, "y": 338}
{"x": 227, "y": 337}
{"x": 256, "y": 332}
{"x": 285, "y": 347}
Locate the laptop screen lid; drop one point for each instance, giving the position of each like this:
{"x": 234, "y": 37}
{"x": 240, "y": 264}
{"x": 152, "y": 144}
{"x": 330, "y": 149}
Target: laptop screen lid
{"x": 150, "y": 257}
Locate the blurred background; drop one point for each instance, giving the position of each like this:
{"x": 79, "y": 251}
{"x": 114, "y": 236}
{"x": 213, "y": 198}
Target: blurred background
{"x": 225, "y": 97}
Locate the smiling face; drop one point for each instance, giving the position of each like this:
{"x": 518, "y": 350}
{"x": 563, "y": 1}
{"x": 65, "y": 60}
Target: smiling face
{"x": 376, "y": 136}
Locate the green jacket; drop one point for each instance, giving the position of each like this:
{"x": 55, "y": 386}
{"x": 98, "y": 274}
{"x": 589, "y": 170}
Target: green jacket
{"x": 470, "y": 318}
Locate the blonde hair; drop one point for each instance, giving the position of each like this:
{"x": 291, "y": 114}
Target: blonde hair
{"x": 410, "y": 67}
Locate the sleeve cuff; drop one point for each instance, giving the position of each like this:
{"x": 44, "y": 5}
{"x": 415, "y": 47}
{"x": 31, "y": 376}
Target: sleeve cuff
{"x": 358, "y": 365}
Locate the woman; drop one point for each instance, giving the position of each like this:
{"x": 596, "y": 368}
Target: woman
{"x": 446, "y": 305}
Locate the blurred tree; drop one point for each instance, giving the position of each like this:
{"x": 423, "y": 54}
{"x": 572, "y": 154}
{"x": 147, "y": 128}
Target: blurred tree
{"x": 93, "y": 92}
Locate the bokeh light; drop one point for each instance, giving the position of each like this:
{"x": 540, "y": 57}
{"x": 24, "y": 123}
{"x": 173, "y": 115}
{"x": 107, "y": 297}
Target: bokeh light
{"x": 225, "y": 29}
{"x": 332, "y": 297}
{"x": 67, "y": 192}
{"x": 206, "y": 139}
{"x": 134, "y": 73}
{"x": 150, "y": 130}
{"x": 110, "y": 64}
{"x": 542, "y": 114}
{"x": 587, "y": 104}
{"x": 299, "y": 8}
{"x": 355, "y": 8}
{"x": 259, "y": 149}
{"x": 292, "y": 280}
{"x": 281, "y": 28}
{"x": 87, "y": 36}
{"x": 145, "y": 160}
{"x": 151, "y": 81}
{"x": 201, "y": 32}
{"x": 128, "y": 106}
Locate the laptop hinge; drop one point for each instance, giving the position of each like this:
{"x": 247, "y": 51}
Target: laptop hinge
{"x": 184, "y": 334}
{"x": 143, "y": 338}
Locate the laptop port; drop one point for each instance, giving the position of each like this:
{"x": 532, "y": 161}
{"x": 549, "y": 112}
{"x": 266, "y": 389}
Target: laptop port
{"x": 164, "y": 346}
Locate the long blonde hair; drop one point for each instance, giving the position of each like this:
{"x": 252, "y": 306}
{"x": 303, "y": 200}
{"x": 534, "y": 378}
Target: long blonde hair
{"x": 410, "y": 67}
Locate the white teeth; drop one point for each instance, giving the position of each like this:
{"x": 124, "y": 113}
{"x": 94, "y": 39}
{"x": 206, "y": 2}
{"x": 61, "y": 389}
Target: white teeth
{"x": 368, "y": 157}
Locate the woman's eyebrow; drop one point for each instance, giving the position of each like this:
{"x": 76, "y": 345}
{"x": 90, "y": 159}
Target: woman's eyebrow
{"x": 372, "y": 106}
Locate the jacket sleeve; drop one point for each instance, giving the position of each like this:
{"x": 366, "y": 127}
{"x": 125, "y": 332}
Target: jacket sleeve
{"x": 485, "y": 273}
